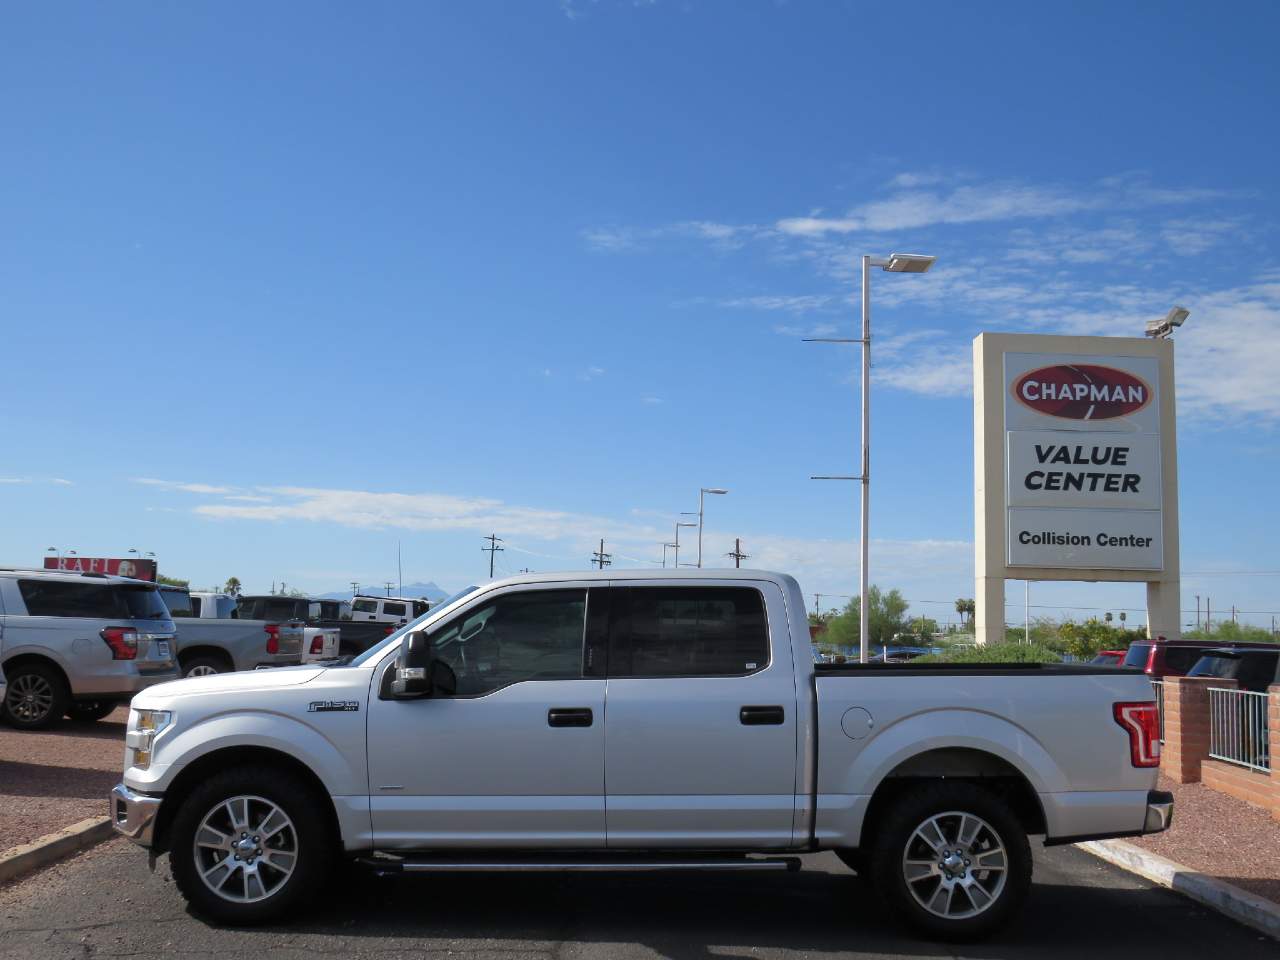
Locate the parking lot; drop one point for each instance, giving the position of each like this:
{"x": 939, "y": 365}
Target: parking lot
{"x": 104, "y": 903}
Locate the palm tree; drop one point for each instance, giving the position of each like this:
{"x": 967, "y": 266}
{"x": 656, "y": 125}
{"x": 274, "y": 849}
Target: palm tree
{"x": 233, "y": 586}
{"x": 962, "y": 607}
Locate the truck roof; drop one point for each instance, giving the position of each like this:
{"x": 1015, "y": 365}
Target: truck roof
{"x": 668, "y": 575}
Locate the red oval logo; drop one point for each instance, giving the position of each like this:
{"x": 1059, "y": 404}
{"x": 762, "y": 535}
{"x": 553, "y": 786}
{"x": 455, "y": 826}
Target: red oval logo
{"x": 1082, "y": 391}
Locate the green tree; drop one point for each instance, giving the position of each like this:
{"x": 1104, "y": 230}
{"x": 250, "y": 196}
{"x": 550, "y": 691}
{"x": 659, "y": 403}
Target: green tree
{"x": 232, "y": 586}
{"x": 172, "y": 581}
{"x": 966, "y": 606}
{"x": 1228, "y": 630}
{"x": 886, "y": 612}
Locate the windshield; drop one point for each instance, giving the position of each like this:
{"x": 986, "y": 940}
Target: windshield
{"x": 376, "y": 651}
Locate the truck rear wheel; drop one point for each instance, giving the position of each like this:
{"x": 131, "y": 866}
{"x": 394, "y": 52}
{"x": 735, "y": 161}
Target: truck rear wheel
{"x": 204, "y": 666}
{"x": 951, "y": 860}
{"x": 250, "y": 845}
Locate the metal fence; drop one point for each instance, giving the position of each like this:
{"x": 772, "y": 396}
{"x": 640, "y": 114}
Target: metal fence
{"x": 1158, "y": 685}
{"x": 1238, "y": 728}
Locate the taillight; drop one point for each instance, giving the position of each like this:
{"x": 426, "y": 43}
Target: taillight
{"x": 389, "y": 631}
{"x": 273, "y": 637}
{"x": 1151, "y": 660}
{"x": 1142, "y": 722}
{"x": 317, "y": 643}
{"x": 123, "y": 642}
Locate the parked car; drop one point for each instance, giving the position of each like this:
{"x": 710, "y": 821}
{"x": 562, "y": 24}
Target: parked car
{"x": 208, "y": 645}
{"x": 355, "y": 636}
{"x": 1108, "y": 658}
{"x": 1252, "y": 669}
{"x": 629, "y": 720}
{"x": 78, "y": 645}
{"x": 1173, "y": 658}
{"x": 212, "y": 606}
{"x": 397, "y": 610}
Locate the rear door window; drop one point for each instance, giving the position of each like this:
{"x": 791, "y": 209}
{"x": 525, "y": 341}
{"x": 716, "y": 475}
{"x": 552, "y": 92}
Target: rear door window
{"x": 1137, "y": 655}
{"x": 365, "y": 606}
{"x": 99, "y": 601}
{"x": 688, "y": 632}
{"x": 394, "y": 609}
{"x": 1181, "y": 659}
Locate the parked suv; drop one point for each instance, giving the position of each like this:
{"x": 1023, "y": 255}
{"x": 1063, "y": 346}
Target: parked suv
{"x": 1174, "y": 658}
{"x": 399, "y": 610}
{"x": 1252, "y": 669}
{"x": 79, "y": 644}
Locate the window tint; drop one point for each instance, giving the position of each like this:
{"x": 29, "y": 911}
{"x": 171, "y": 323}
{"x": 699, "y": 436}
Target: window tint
{"x": 1215, "y": 666}
{"x": 102, "y": 601}
{"x": 1181, "y": 659}
{"x": 195, "y": 606}
{"x": 1137, "y": 655}
{"x": 518, "y": 636}
{"x": 281, "y": 609}
{"x": 365, "y": 606}
{"x": 178, "y": 602}
{"x": 689, "y": 632}
{"x": 393, "y": 609}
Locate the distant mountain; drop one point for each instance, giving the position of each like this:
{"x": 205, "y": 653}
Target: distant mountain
{"x": 428, "y": 590}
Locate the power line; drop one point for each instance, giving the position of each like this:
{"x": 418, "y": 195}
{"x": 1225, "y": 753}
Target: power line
{"x": 600, "y": 558}
{"x": 492, "y": 549}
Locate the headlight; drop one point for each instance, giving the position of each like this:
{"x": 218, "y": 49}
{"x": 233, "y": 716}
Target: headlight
{"x": 144, "y": 727}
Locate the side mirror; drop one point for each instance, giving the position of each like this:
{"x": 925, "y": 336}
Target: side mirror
{"x": 412, "y": 667}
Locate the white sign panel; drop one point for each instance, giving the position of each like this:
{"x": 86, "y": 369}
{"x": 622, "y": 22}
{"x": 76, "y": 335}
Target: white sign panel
{"x": 1083, "y": 483}
{"x": 1049, "y": 468}
{"x": 1086, "y": 539}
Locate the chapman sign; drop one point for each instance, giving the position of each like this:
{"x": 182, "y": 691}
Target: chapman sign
{"x": 1075, "y": 460}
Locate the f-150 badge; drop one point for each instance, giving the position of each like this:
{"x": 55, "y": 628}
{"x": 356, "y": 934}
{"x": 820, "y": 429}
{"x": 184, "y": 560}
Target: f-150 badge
{"x": 333, "y": 706}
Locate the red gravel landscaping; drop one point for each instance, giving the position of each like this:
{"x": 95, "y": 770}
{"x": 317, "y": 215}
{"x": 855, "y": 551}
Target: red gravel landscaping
{"x": 54, "y": 778}
{"x": 1222, "y": 837}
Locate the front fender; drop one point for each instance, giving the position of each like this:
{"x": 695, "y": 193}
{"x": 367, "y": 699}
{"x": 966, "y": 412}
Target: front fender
{"x": 257, "y": 728}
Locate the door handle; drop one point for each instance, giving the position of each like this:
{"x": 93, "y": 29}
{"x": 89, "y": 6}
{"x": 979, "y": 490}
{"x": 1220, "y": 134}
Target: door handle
{"x": 761, "y": 716}
{"x": 570, "y": 717}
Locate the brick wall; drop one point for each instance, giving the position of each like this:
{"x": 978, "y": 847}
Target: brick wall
{"x": 1185, "y": 756}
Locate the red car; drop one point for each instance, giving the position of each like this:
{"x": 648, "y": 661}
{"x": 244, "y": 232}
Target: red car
{"x": 1108, "y": 658}
{"x": 1174, "y": 658}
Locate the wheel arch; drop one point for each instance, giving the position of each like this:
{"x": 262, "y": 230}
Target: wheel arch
{"x": 187, "y": 654}
{"x": 982, "y": 768}
{"x": 225, "y": 758}
{"x": 23, "y": 657}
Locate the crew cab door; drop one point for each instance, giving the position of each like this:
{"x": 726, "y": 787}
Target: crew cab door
{"x": 516, "y": 757}
{"x": 700, "y": 733}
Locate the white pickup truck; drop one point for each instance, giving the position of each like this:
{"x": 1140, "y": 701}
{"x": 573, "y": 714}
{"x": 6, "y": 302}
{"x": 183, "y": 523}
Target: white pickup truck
{"x": 635, "y": 721}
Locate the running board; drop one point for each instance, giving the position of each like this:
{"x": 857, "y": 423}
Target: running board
{"x": 389, "y": 866}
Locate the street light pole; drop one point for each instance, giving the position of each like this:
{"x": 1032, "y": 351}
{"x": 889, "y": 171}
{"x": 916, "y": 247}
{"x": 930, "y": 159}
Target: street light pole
{"x": 864, "y": 614}
{"x": 679, "y": 524}
{"x": 701, "y": 493}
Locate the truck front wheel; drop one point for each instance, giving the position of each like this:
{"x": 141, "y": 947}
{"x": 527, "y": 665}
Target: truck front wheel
{"x": 249, "y": 845}
{"x": 952, "y": 860}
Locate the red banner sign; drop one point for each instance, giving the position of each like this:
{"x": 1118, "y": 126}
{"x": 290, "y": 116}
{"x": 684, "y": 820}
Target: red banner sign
{"x": 114, "y": 566}
{"x": 1082, "y": 391}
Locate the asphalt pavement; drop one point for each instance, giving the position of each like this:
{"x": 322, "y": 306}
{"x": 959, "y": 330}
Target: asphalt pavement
{"x": 105, "y": 903}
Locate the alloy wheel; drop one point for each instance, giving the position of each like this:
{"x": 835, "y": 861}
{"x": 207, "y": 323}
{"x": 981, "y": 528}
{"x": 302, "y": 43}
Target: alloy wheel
{"x": 30, "y": 697}
{"x": 955, "y": 865}
{"x": 246, "y": 849}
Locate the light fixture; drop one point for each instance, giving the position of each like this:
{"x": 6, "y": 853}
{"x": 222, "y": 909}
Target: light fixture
{"x": 909, "y": 263}
{"x": 1162, "y": 329}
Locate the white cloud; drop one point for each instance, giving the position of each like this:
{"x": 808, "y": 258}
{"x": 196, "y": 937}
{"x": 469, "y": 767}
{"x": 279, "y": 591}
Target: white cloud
{"x": 1192, "y": 236}
{"x": 15, "y": 479}
{"x": 184, "y": 487}
{"x": 62, "y": 482}
{"x": 797, "y": 303}
{"x": 651, "y": 400}
{"x": 592, "y": 373}
{"x": 910, "y": 181}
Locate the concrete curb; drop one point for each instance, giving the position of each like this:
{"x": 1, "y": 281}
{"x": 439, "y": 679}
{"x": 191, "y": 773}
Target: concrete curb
{"x": 1249, "y": 909}
{"x": 53, "y": 846}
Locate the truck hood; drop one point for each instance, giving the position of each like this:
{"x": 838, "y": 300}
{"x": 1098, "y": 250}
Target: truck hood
{"x": 218, "y": 683}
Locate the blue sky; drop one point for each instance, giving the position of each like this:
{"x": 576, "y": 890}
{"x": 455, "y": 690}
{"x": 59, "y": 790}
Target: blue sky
{"x": 283, "y": 285}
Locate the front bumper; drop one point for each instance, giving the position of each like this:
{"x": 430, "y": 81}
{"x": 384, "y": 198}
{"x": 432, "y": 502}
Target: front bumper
{"x": 1159, "y": 811}
{"x": 134, "y": 814}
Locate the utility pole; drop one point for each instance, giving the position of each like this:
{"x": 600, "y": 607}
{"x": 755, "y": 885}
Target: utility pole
{"x": 1197, "y": 613}
{"x": 388, "y": 584}
{"x": 1208, "y": 617}
{"x": 492, "y": 549}
{"x": 355, "y": 587}
{"x": 737, "y": 556}
{"x": 399, "y": 569}
{"x": 600, "y": 558}
{"x": 1233, "y": 613}
{"x": 817, "y": 604}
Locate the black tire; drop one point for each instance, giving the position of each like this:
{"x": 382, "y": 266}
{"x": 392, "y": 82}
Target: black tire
{"x": 87, "y": 711}
{"x": 311, "y": 841}
{"x": 896, "y": 841}
{"x": 204, "y": 666}
{"x": 36, "y": 696}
